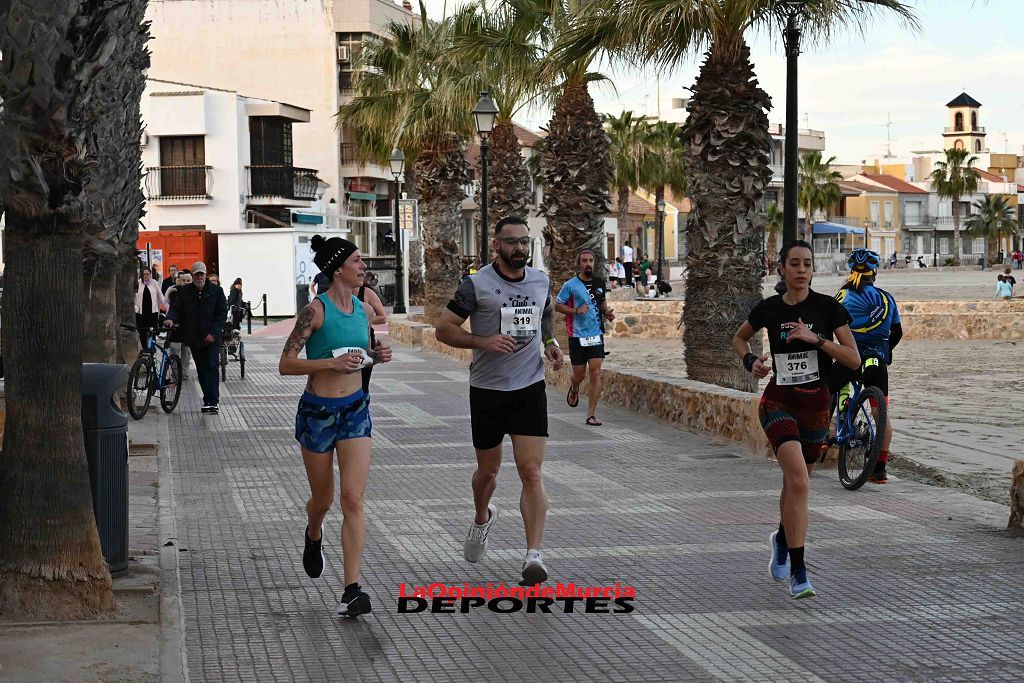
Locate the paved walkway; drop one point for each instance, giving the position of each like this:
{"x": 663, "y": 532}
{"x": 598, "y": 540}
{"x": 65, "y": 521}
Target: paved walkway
{"x": 680, "y": 518}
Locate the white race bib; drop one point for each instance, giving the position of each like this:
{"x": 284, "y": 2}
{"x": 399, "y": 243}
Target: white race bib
{"x": 520, "y": 321}
{"x": 590, "y": 341}
{"x": 796, "y": 368}
{"x": 367, "y": 361}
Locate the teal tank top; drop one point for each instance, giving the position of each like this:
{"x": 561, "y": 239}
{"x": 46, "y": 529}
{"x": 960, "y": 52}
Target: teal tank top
{"x": 339, "y": 330}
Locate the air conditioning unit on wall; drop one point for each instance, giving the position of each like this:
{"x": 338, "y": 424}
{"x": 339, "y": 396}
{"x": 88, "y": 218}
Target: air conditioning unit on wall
{"x": 344, "y": 55}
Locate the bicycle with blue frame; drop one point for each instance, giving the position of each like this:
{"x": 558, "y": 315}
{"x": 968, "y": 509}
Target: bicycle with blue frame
{"x": 860, "y": 418}
{"x": 147, "y": 377}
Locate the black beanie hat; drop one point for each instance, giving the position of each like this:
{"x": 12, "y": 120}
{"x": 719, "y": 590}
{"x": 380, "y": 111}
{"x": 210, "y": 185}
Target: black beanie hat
{"x": 328, "y": 255}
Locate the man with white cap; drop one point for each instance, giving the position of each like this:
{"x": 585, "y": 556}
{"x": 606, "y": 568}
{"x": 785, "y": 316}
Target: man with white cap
{"x": 201, "y": 309}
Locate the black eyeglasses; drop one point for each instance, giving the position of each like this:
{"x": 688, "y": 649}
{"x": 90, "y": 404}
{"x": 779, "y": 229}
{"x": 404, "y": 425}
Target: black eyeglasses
{"x": 513, "y": 241}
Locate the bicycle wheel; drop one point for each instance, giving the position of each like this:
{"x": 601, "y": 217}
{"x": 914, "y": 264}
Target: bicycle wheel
{"x": 139, "y": 391}
{"x": 241, "y": 358}
{"x": 859, "y": 453}
{"x": 223, "y": 363}
{"x": 170, "y": 384}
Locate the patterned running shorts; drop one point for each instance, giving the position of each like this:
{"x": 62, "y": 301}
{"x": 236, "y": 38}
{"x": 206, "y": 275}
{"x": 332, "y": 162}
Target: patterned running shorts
{"x": 796, "y": 414}
{"x": 320, "y": 422}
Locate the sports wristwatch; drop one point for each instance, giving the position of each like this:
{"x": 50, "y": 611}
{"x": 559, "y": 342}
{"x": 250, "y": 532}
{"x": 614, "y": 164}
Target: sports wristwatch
{"x": 552, "y": 341}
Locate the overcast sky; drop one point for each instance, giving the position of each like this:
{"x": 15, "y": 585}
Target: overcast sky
{"x": 850, "y": 87}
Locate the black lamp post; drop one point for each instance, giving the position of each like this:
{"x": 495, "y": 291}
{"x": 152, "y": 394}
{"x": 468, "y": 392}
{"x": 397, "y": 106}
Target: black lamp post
{"x": 935, "y": 248}
{"x": 397, "y": 160}
{"x": 485, "y": 112}
{"x": 661, "y": 240}
{"x": 792, "y": 43}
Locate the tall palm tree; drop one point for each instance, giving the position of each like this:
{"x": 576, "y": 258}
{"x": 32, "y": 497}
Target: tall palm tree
{"x": 500, "y": 41}
{"x": 575, "y": 167}
{"x": 627, "y": 150}
{"x": 411, "y": 98}
{"x": 727, "y": 141}
{"x": 51, "y": 565}
{"x": 993, "y": 219}
{"x": 665, "y": 162}
{"x": 952, "y": 179}
{"x": 819, "y": 188}
{"x": 113, "y": 190}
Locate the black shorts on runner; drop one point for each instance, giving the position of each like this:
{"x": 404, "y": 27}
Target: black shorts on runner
{"x": 579, "y": 355}
{"x": 873, "y": 376}
{"x": 494, "y": 414}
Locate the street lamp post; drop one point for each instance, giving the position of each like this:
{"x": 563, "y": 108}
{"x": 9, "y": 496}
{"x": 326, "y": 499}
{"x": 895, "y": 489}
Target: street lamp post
{"x": 790, "y": 177}
{"x": 661, "y": 242}
{"x": 935, "y": 248}
{"x": 397, "y": 166}
{"x": 485, "y": 112}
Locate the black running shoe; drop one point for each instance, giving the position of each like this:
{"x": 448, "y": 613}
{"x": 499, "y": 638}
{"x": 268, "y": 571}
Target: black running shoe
{"x": 214, "y": 409}
{"x": 354, "y": 602}
{"x": 313, "y": 556}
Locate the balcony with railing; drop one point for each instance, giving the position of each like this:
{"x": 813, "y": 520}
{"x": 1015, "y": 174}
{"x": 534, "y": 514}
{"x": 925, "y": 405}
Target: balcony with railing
{"x": 277, "y": 181}
{"x": 180, "y": 183}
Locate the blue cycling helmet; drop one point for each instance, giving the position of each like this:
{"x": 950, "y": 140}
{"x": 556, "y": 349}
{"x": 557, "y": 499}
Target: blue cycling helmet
{"x": 863, "y": 260}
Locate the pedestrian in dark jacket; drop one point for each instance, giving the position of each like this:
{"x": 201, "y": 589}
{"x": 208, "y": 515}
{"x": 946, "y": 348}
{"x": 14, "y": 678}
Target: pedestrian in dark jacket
{"x": 200, "y": 309}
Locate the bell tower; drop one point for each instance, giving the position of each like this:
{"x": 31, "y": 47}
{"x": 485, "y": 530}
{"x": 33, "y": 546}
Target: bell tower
{"x": 964, "y": 130}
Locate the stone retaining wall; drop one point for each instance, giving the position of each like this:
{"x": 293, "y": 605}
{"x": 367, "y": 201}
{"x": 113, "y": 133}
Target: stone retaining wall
{"x": 659, "y": 319}
{"x": 693, "y": 406}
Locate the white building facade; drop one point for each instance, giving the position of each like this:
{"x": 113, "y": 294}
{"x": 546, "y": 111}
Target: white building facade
{"x": 297, "y": 51}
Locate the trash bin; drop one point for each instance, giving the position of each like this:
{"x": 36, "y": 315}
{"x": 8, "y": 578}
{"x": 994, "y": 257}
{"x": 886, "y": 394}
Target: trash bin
{"x": 105, "y": 428}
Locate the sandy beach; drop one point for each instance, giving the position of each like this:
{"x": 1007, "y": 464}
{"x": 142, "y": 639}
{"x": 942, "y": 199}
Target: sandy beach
{"x": 954, "y": 405}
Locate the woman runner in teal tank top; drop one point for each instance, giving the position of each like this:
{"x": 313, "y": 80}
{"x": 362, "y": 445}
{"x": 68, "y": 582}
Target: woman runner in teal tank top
{"x": 333, "y": 413}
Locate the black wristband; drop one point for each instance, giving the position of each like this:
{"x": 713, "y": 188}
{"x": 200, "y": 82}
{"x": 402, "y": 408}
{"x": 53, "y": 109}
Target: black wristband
{"x": 821, "y": 342}
{"x": 748, "y": 361}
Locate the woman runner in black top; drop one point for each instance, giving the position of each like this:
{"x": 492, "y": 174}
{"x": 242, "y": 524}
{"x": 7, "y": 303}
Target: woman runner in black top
{"x": 794, "y": 409}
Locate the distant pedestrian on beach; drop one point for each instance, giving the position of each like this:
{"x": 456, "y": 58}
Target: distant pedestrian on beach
{"x": 1004, "y": 290}
{"x": 627, "y": 264}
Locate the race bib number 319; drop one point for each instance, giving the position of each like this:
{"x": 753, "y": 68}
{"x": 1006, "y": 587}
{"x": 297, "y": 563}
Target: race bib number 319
{"x": 796, "y": 368}
{"x": 520, "y": 321}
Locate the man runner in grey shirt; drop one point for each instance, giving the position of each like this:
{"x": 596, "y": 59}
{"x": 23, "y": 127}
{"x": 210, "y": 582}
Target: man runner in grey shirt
{"x": 511, "y": 317}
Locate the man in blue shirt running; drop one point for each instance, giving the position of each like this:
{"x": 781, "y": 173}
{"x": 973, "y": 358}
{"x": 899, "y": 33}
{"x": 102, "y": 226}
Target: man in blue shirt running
{"x": 877, "y": 330}
{"x": 582, "y": 300}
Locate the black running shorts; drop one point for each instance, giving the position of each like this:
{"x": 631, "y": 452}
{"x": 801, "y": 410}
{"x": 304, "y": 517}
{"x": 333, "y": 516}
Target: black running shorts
{"x": 494, "y": 414}
{"x": 579, "y": 355}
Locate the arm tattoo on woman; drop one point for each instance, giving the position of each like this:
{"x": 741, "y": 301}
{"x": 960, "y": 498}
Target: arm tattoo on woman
{"x": 297, "y": 339}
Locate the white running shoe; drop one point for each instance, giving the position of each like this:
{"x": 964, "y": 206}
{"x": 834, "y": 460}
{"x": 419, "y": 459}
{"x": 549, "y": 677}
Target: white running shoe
{"x": 534, "y": 571}
{"x": 475, "y": 546}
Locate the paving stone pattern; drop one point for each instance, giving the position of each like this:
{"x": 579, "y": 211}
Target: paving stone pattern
{"x": 912, "y": 585}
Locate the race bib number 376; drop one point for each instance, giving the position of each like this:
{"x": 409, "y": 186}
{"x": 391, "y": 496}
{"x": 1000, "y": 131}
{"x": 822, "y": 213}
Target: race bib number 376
{"x": 796, "y": 368}
{"x": 520, "y": 321}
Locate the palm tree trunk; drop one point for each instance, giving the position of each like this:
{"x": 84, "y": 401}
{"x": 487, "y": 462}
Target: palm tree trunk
{"x": 623, "y": 219}
{"x": 576, "y": 172}
{"x": 99, "y": 343}
{"x": 773, "y": 250}
{"x": 727, "y": 170}
{"x": 125, "y": 276}
{"x": 50, "y": 561}
{"x": 51, "y": 565}
{"x": 508, "y": 181}
{"x": 441, "y": 176}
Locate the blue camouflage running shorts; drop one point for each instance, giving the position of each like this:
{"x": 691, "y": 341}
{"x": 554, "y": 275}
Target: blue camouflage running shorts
{"x": 320, "y": 422}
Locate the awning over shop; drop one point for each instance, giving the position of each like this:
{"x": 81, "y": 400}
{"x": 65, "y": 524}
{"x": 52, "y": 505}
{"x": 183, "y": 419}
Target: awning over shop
{"x": 368, "y": 196}
{"x": 826, "y": 228}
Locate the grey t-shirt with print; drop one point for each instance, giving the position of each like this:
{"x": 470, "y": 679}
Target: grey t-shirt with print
{"x": 496, "y": 305}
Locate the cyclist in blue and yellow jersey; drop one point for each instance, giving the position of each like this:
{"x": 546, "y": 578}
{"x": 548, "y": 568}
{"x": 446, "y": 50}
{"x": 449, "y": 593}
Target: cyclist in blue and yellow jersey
{"x": 877, "y": 329}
